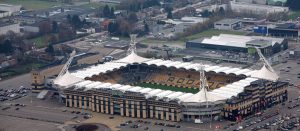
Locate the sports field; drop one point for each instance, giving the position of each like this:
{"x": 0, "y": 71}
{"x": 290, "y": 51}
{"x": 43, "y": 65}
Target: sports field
{"x": 164, "y": 87}
{"x": 32, "y": 4}
{"x": 294, "y": 15}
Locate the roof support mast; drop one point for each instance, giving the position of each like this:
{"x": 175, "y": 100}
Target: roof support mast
{"x": 264, "y": 60}
{"x": 132, "y": 46}
{"x": 203, "y": 84}
{"x": 64, "y": 70}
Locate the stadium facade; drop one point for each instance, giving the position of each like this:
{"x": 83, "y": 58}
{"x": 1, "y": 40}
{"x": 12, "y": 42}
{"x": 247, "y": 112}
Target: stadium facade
{"x": 111, "y": 88}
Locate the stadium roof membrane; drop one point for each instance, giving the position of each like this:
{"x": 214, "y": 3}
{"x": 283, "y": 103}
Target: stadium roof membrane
{"x": 76, "y": 79}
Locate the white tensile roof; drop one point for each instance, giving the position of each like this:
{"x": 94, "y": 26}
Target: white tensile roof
{"x": 66, "y": 80}
{"x": 77, "y": 79}
{"x": 97, "y": 69}
{"x": 221, "y": 93}
{"x": 265, "y": 73}
{"x": 203, "y": 95}
{"x": 195, "y": 66}
{"x": 132, "y": 58}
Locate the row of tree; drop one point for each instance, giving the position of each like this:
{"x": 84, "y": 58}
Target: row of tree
{"x": 123, "y": 26}
{"x": 75, "y": 21}
{"x": 6, "y": 47}
{"x": 10, "y": 41}
{"x": 108, "y": 12}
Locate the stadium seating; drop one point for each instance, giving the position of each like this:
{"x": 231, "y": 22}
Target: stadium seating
{"x": 165, "y": 76}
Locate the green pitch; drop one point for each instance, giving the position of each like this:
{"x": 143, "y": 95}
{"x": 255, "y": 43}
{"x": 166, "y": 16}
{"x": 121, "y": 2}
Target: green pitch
{"x": 164, "y": 87}
{"x": 32, "y": 4}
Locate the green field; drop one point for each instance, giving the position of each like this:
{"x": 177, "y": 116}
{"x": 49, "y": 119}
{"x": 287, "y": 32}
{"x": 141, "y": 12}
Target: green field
{"x": 40, "y": 42}
{"x": 212, "y": 32}
{"x": 32, "y": 4}
{"x": 294, "y": 15}
{"x": 98, "y": 5}
{"x": 171, "y": 88}
{"x": 150, "y": 41}
{"x": 19, "y": 69}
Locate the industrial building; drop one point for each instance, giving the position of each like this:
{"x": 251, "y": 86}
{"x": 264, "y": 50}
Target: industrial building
{"x": 10, "y": 9}
{"x": 228, "y": 24}
{"x": 112, "y": 88}
{"x": 8, "y": 26}
{"x": 242, "y": 7}
{"x": 238, "y": 43}
{"x": 286, "y": 30}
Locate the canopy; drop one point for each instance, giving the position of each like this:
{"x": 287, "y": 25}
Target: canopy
{"x": 265, "y": 73}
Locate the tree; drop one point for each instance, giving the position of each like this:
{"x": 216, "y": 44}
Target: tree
{"x": 221, "y": 11}
{"x": 6, "y": 47}
{"x": 112, "y": 12}
{"x": 52, "y": 39}
{"x": 125, "y": 27}
{"x": 113, "y": 27}
{"x": 76, "y": 22}
{"x": 54, "y": 27}
{"x": 146, "y": 28}
{"x": 169, "y": 15}
{"x": 205, "y": 13}
{"x": 45, "y": 27}
{"x": 69, "y": 18}
{"x": 50, "y": 49}
{"x": 106, "y": 11}
{"x": 66, "y": 33}
{"x": 132, "y": 18}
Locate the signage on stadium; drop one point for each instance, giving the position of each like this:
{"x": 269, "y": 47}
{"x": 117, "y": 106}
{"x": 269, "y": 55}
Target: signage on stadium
{"x": 117, "y": 93}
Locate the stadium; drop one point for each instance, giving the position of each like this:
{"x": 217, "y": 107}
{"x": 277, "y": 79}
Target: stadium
{"x": 168, "y": 90}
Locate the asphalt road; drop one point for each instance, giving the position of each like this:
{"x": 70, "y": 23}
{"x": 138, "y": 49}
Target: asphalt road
{"x": 16, "y": 82}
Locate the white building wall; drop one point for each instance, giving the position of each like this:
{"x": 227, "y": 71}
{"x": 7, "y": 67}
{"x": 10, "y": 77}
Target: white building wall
{"x": 220, "y": 26}
{"x": 256, "y": 8}
{"x": 31, "y": 29}
{"x": 13, "y": 27}
{"x": 10, "y": 8}
{"x": 5, "y": 14}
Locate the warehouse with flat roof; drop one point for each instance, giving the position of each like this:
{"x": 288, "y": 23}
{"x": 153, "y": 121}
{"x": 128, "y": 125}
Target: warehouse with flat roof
{"x": 239, "y": 43}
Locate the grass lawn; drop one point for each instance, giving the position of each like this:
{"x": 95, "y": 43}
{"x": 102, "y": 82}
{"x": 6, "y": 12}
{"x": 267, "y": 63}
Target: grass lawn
{"x": 26, "y": 67}
{"x": 211, "y": 32}
{"x": 150, "y": 41}
{"x": 294, "y": 15}
{"x": 163, "y": 87}
{"x": 40, "y": 42}
{"x": 32, "y": 4}
{"x": 19, "y": 69}
{"x": 97, "y": 5}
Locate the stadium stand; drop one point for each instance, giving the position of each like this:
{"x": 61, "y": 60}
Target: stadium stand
{"x": 165, "y": 76}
